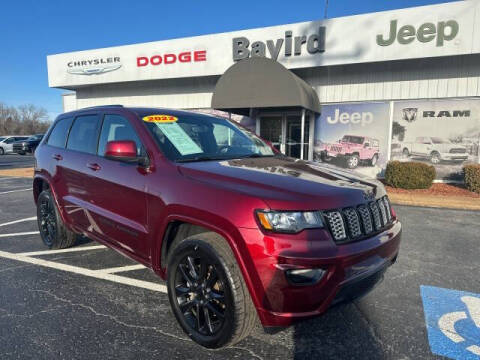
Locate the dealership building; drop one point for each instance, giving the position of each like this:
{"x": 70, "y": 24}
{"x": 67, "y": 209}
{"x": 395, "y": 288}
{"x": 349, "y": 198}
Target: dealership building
{"x": 291, "y": 82}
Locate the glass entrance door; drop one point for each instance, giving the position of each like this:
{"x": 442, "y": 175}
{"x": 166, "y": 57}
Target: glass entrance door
{"x": 271, "y": 130}
{"x": 284, "y": 131}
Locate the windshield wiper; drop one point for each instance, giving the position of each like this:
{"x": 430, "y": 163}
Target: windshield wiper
{"x": 254, "y": 155}
{"x": 200, "y": 158}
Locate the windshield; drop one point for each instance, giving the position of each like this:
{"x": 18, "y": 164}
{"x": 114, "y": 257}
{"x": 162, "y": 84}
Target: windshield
{"x": 192, "y": 137}
{"x": 35, "y": 137}
{"x": 437, "y": 140}
{"x": 353, "y": 139}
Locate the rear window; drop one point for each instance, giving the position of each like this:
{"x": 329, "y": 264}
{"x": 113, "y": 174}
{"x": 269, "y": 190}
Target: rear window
{"x": 58, "y": 136}
{"x": 83, "y": 135}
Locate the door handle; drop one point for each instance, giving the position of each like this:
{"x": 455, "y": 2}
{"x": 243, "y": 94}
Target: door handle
{"x": 94, "y": 166}
{"x": 57, "y": 157}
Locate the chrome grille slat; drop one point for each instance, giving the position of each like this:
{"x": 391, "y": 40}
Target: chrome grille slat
{"x": 353, "y": 222}
{"x": 335, "y": 220}
{"x": 387, "y": 208}
{"x": 376, "y": 215}
{"x": 366, "y": 219}
{"x": 383, "y": 212}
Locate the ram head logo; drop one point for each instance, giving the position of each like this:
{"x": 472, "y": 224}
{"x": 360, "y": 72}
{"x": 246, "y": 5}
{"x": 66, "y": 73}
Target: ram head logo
{"x": 409, "y": 114}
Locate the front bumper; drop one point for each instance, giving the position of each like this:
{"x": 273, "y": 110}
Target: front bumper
{"x": 351, "y": 270}
{"x": 454, "y": 156}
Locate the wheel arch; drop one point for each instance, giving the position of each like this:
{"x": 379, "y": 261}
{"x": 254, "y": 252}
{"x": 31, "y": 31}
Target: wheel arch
{"x": 180, "y": 225}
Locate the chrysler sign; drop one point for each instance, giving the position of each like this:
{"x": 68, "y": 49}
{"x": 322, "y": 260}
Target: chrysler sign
{"x": 93, "y": 66}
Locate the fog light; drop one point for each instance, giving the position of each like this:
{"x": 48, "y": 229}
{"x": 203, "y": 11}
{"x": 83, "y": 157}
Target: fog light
{"x": 304, "y": 276}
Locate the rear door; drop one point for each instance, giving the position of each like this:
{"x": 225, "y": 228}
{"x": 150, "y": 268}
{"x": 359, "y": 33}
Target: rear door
{"x": 120, "y": 208}
{"x": 77, "y": 174}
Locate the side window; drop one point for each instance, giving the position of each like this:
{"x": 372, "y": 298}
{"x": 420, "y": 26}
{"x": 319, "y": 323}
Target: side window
{"x": 83, "y": 135}
{"x": 116, "y": 127}
{"x": 58, "y": 136}
{"x": 9, "y": 140}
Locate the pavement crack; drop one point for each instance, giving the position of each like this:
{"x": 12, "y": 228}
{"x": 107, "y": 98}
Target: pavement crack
{"x": 132, "y": 326}
{"x": 247, "y": 350}
{"x": 111, "y": 317}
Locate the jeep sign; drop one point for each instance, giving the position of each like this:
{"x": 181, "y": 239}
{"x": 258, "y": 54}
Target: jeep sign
{"x": 442, "y": 31}
{"x": 363, "y": 118}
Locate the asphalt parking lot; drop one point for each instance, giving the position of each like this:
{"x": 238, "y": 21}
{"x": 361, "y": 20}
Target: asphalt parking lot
{"x": 89, "y": 302}
{"x": 9, "y": 161}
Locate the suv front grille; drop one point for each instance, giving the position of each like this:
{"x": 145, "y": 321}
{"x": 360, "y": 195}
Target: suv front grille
{"x": 356, "y": 222}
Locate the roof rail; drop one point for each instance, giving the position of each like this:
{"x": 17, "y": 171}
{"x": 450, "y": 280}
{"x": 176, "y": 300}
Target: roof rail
{"x": 101, "y": 106}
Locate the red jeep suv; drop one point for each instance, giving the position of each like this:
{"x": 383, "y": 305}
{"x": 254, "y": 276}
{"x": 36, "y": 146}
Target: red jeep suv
{"x": 235, "y": 228}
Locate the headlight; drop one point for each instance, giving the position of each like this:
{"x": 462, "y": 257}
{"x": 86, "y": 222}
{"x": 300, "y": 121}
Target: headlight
{"x": 290, "y": 222}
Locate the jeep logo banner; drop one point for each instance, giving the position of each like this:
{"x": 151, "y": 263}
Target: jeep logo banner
{"x": 353, "y": 136}
{"x": 443, "y": 133}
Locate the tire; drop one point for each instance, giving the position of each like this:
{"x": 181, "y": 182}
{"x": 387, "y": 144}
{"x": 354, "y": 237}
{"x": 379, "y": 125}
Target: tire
{"x": 230, "y": 310}
{"x": 324, "y": 157}
{"x": 21, "y": 153}
{"x": 406, "y": 153}
{"x": 53, "y": 231}
{"x": 435, "y": 158}
{"x": 373, "y": 160}
{"x": 352, "y": 161}
{"x": 2, "y": 152}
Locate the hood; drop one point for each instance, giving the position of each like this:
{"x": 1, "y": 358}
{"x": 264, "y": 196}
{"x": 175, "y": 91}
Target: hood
{"x": 286, "y": 183}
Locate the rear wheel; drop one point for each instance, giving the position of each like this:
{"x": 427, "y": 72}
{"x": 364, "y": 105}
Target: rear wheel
{"x": 207, "y": 292}
{"x": 405, "y": 152}
{"x": 53, "y": 232}
{"x": 435, "y": 158}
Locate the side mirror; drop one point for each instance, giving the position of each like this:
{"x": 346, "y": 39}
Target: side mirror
{"x": 122, "y": 150}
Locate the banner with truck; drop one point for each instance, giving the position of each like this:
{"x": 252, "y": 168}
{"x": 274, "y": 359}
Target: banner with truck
{"x": 444, "y": 133}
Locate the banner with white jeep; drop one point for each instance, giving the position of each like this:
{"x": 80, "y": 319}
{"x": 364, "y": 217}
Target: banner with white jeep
{"x": 444, "y": 133}
{"x": 354, "y": 136}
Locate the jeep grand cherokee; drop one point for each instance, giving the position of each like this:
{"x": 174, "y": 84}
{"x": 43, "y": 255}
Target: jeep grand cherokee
{"x": 236, "y": 229}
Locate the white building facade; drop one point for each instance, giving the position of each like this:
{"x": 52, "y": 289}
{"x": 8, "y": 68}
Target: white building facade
{"x": 371, "y": 66}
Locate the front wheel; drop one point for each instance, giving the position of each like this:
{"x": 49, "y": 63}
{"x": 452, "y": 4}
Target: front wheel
{"x": 207, "y": 292}
{"x": 2, "y": 152}
{"x": 352, "y": 161}
{"x": 53, "y": 231}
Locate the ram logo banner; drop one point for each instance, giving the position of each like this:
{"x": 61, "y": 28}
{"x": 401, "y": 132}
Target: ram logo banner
{"x": 442, "y": 133}
{"x": 94, "y": 66}
{"x": 409, "y": 114}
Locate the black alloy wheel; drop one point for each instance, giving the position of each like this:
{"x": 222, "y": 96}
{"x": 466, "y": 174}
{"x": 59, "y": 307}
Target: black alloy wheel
{"x": 200, "y": 293}
{"x": 47, "y": 220}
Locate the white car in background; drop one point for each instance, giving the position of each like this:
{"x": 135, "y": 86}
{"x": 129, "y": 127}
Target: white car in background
{"x": 6, "y": 143}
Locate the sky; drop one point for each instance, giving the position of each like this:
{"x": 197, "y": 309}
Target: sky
{"x": 31, "y": 30}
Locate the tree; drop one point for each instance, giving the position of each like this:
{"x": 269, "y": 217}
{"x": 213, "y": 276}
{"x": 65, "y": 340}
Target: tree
{"x": 24, "y": 120}
{"x": 398, "y": 131}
